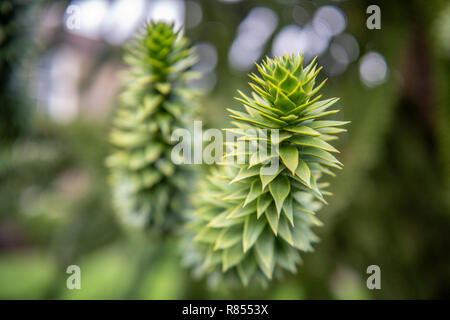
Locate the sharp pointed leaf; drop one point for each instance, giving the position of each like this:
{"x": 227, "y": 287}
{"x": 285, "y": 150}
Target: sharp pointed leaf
{"x": 303, "y": 172}
{"x": 262, "y": 203}
{"x": 289, "y": 156}
{"x": 272, "y": 218}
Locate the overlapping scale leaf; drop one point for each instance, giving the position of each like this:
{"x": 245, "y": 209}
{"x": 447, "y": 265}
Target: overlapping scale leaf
{"x": 251, "y": 224}
{"x": 147, "y": 187}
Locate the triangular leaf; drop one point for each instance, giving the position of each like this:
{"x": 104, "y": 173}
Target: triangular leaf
{"x": 221, "y": 221}
{"x": 303, "y": 130}
{"x": 327, "y": 123}
{"x": 282, "y": 102}
{"x": 245, "y": 173}
{"x": 300, "y": 240}
{"x": 272, "y": 218}
{"x": 288, "y": 210}
{"x": 246, "y": 269}
{"x": 232, "y": 256}
{"x": 320, "y": 154}
{"x": 303, "y": 172}
{"x": 287, "y": 258}
{"x": 279, "y": 188}
{"x": 313, "y": 142}
{"x": 267, "y": 178}
{"x": 265, "y": 248}
{"x": 255, "y": 191}
{"x": 285, "y": 231}
{"x": 262, "y": 204}
{"x": 208, "y": 235}
{"x": 228, "y": 237}
{"x": 252, "y": 230}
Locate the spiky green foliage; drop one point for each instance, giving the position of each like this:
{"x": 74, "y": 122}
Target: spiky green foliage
{"x": 16, "y": 43}
{"x": 148, "y": 188}
{"x": 250, "y": 224}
